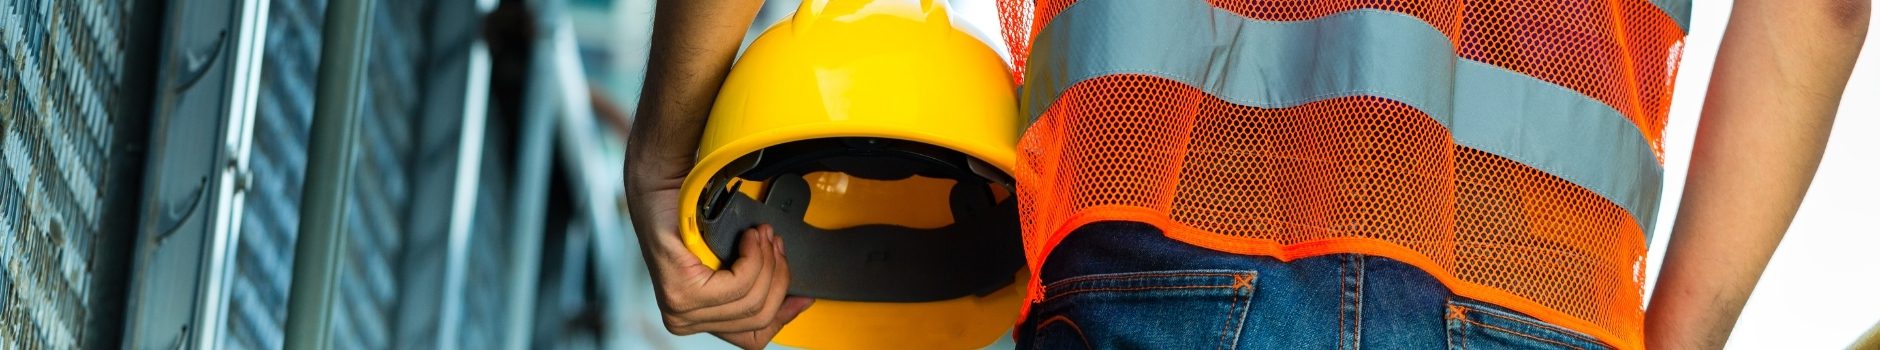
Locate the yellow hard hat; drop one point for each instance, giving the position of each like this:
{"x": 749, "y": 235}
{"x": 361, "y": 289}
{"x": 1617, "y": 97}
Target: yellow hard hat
{"x": 876, "y": 137}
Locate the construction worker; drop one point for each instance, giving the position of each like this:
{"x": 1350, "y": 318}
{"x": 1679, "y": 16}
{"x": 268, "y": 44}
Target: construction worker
{"x": 1314, "y": 174}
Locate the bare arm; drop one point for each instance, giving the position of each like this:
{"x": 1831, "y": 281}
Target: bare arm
{"x": 693, "y": 44}
{"x": 1778, "y": 82}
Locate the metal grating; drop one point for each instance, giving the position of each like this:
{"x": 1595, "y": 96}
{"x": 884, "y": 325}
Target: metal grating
{"x": 60, "y": 68}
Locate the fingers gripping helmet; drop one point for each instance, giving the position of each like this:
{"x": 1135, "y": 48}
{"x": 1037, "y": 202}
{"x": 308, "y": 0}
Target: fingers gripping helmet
{"x": 876, "y": 138}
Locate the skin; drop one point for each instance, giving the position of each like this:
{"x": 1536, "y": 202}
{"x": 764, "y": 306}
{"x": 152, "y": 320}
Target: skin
{"x": 693, "y": 44}
{"x": 1772, "y": 100}
{"x": 1778, "y": 81}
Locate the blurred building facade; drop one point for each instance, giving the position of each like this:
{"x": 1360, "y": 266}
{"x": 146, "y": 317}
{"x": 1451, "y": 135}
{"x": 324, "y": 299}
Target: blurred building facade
{"x": 381, "y": 193}
{"x": 61, "y": 66}
{"x": 154, "y": 155}
{"x": 155, "y": 152}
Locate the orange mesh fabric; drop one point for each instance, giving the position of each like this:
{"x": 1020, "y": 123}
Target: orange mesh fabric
{"x": 1539, "y": 237}
{"x": 1657, "y": 43}
{"x": 1343, "y": 175}
{"x": 1441, "y": 15}
{"x": 1015, "y": 24}
{"x": 1588, "y": 46}
{"x": 1022, "y": 19}
{"x": 1572, "y": 43}
{"x": 1367, "y": 175}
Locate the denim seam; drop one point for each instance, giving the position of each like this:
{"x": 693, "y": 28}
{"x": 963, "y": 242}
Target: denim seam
{"x": 1449, "y": 339}
{"x": 1244, "y": 308}
{"x": 1524, "y": 335}
{"x": 1358, "y": 334}
{"x": 1128, "y": 289}
{"x": 1449, "y": 333}
{"x": 1229, "y": 319}
{"x": 1342, "y": 289}
{"x": 1356, "y": 298}
{"x": 1068, "y": 322}
{"x": 1126, "y": 276}
{"x": 1542, "y": 326}
{"x": 1461, "y": 327}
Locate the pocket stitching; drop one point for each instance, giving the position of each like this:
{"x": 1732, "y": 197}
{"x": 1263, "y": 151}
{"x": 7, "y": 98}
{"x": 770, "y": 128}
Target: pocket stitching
{"x": 1126, "y": 289}
{"x": 1222, "y": 340}
{"x": 1244, "y": 306}
{"x": 1132, "y": 276}
{"x": 1518, "y": 333}
{"x": 1067, "y": 321}
{"x": 1551, "y": 328}
{"x": 1465, "y": 333}
{"x": 1449, "y": 337}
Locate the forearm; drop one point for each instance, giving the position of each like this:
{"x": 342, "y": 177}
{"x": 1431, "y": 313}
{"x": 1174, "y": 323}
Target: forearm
{"x": 693, "y": 44}
{"x": 1772, "y": 100}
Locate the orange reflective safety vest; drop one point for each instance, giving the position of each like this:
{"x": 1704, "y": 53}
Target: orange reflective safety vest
{"x": 1511, "y": 148}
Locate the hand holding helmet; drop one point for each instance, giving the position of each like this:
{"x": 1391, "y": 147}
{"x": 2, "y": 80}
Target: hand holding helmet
{"x": 743, "y": 303}
{"x": 875, "y": 136}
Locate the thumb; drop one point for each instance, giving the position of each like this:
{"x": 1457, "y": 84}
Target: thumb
{"x": 792, "y": 306}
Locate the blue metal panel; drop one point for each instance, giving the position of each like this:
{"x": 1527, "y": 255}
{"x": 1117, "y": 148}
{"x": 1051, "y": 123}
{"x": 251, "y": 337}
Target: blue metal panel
{"x": 258, "y": 299}
{"x": 484, "y": 292}
{"x": 381, "y": 195}
{"x": 59, "y": 80}
{"x": 380, "y": 258}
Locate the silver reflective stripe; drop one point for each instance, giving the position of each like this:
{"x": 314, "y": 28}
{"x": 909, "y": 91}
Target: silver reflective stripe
{"x": 1678, "y": 10}
{"x": 1559, "y": 131}
{"x": 1273, "y": 64}
{"x": 1247, "y": 62}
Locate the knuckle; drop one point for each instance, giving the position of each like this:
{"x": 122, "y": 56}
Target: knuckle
{"x": 716, "y": 299}
{"x": 668, "y": 290}
{"x": 677, "y": 303}
{"x": 677, "y": 327}
{"x": 752, "y": 310}
{"x": 750, "y": 324}
{"x": 767, "y": 314}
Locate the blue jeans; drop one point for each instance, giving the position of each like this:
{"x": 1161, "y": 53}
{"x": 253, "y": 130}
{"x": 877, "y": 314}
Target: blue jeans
{"x": 1124, "y": 285}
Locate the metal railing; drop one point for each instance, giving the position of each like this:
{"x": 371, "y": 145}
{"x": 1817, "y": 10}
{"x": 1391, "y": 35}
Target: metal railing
{"x": 318, "y": 252}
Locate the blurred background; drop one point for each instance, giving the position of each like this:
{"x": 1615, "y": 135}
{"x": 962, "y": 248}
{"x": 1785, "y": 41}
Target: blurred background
{"x": 155, "y": 152}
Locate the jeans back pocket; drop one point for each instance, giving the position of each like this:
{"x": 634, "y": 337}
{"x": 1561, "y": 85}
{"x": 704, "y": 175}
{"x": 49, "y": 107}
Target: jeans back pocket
{"x": 1475, "y": 325}
{"x": 1191, "y": 309}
